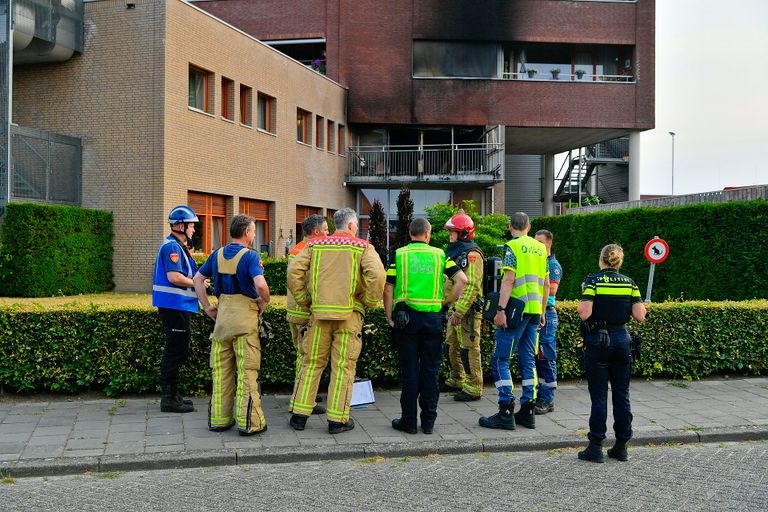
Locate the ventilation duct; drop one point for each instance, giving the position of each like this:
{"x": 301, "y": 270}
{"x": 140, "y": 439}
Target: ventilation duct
{"x": 46, "y": 30}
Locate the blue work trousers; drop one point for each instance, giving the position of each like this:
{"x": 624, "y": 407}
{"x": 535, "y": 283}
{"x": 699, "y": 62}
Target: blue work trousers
{"x": 614, "y": 365}
{"x": 419, "y": 346}
{"x": 525, "y": 336}
{"x": 546, "y": 360}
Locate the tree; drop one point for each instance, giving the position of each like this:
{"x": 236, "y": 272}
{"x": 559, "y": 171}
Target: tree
{"x": 377, "y": 231}
{"x": 404, "y": 217}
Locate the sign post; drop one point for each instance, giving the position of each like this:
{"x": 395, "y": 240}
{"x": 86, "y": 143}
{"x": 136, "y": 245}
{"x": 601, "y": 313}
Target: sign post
{"x": 656, "y": 251}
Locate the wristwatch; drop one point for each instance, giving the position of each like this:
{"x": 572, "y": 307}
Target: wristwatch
{"x": 500, "y": 308}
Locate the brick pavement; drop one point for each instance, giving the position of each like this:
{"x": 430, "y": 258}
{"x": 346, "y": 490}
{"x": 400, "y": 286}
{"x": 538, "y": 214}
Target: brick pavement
{"x": 73, "y": 435}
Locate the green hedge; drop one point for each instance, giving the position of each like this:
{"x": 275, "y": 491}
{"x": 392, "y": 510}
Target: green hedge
{"x": 717, "y": 251}
{"x": 55, "y": 250}
{"x": 274, "y": 272}
{"x": 118, "y": 350}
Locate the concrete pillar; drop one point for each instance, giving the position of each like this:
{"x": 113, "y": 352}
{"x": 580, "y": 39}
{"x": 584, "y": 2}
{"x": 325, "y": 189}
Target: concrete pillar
{"x": 634, "y": 166}
{"x": 549, "y": 185}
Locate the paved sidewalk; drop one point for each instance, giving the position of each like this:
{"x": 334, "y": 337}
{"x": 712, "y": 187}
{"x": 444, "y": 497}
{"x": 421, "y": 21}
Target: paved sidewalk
{"x": 71, "y": 436}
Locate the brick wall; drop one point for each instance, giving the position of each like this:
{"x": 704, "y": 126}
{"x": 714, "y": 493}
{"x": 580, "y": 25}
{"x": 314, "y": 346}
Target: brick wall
{"x": 144, "y": 149}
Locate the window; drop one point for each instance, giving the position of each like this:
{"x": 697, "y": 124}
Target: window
{"x": 200, "y": 89}
{"x": 303, "y": 126}
{"x": 227, "y": 99}
{"x": 246, "y": 105}
{"x": 259, "y": 210}
{"x": 331, "y": 136}
{"x": 265, "y": 113}
{"x": 211, "y": 231}
{"x": 319, "y": 132}
{"x": 455, "y": 59}
{"x": 342, "y": 140}
{"x": 302, "y": 212}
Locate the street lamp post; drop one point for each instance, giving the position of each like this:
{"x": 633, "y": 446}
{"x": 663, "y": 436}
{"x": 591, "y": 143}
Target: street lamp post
{"x": 673, "y": 162}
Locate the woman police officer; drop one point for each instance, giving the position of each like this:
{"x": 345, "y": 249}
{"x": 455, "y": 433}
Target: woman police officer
{"x": 609, "y": 299}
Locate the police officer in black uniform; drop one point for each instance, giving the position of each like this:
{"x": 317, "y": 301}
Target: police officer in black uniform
{"x": 609, "y": 299}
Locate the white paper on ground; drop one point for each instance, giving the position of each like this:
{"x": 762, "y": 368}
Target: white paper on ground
{"x": 362, "y": 392}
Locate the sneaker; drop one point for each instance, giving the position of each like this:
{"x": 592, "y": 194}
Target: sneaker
{"x": 543, "y": 407}
{"x": 335, "y": 427}
{"x": 398, "y": 424}
{"x": 463, "y": 396}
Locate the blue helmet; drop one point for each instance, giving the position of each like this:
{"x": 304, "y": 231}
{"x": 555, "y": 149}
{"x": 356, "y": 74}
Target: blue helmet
{"x": 182, "y": 215}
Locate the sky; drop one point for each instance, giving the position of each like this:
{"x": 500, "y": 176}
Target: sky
{"x": 712, "y": 91}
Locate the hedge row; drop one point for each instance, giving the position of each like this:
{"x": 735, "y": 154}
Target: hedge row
{"x": 118, "y": 350}
{"x": 717, "y": 251}
{"x": 55, "y": 250}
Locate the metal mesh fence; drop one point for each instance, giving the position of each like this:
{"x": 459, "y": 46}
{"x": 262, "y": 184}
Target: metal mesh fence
{"x": 46, "y": 166}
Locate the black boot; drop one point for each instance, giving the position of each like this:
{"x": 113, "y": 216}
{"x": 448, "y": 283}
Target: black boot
{"x": 180, "y": 398}
{"x": 593, "y": 452}
{"x": 169, "y": 402}
{"x": 318, "y": 409}
{"x": 335, "y": 427}
{"x": 619, "y": 451}
{"x": 504, "y": 419}
{"x": 525, "y": 416}
{"x": 298, "y": 422}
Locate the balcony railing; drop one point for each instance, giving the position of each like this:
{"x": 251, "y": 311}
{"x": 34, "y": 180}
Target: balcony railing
{"x": 564, "y": 77}
{"x": 456, "y": 163}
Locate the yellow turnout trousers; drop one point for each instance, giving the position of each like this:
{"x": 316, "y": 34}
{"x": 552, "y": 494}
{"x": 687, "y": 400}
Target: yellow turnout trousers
{"x": 297, "y": 331}
{"x": 459, "y": 340}
{"x": 342, "y": 341}
{"x": 235, "y": 364}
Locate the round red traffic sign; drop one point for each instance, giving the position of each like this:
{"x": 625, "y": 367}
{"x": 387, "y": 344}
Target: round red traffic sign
{"x": 656, "y": 250}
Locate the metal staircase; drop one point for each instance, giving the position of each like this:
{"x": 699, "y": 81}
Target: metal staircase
{"x": 575, "y": 172}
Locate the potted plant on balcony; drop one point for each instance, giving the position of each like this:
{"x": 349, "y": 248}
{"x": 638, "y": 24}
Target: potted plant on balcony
{"x": 531, "y": 72}
{"x": 580, "y": 73}
{"x": 555, "y": 72}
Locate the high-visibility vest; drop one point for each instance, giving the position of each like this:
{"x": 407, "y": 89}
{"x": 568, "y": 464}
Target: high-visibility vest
{"x": 531, "y": 270}
{"x": 166, "y": 294}
{"x": 419, "y": 277}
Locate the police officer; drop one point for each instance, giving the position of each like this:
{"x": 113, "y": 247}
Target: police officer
{"x": 235, "y": 346}
{"x": 337, "y": 276}
{"x": 297, "y": 316}
{"x": 546, "y": 360}
{"x": 463, "y": 331}
{"x": 609, "y": 299}
{"x": 415, "y": 287}
{"x": 526, "y": 279}
{"x": 175, "y": 300}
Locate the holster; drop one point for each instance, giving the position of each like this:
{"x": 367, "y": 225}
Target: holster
{"x": 401, "y": 317}
{"x": 637, "y": 345}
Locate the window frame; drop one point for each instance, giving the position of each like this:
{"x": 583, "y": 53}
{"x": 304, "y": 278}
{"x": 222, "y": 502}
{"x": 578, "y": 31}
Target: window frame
{"x": 246, "y": 105}
{"x": 227, "y": 99}
{"x": 303, "y": 126}
{"x": 207, "y": 77}
{"x": 270, "y": 120}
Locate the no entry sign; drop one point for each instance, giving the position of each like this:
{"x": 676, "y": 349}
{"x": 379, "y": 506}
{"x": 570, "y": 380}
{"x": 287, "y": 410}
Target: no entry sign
{"x": 656, "y": 250}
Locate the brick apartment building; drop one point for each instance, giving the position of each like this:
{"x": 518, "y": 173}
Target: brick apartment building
{"x": 173, "y": 106}
{"x": 437, "y": 88}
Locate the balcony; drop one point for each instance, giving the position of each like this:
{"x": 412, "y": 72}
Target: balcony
{"x": 458, "y": 164}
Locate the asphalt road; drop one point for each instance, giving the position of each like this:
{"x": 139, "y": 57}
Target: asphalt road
{"x": 722, "y": 477}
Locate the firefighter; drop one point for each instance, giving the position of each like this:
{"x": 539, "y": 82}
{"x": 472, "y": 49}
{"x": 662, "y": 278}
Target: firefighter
{"x": 175, "y": 299}
{"x": 297, "y": 316}
{"x": 235, "y": 346}
{"x": 465, "y": 318}
{"x": 415, "y": 288}
{"x": 337, "y": 276}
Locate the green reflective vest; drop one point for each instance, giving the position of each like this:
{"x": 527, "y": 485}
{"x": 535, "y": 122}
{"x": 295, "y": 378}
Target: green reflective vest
{"x": 531, "y": 256}
{"x": 419, "y": 277}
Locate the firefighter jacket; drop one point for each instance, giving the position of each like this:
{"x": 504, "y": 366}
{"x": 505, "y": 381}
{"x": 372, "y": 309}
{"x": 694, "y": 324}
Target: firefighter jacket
{"x": 295, "y": 313}
{"x": 336, "y": 275}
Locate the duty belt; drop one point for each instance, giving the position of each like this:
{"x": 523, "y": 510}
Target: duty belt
{"x": 615, "y": 327}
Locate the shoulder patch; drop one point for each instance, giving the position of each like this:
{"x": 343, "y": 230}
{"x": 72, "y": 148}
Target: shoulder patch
{"x": 174, "y": 256}
{"x": 472, "y": 257}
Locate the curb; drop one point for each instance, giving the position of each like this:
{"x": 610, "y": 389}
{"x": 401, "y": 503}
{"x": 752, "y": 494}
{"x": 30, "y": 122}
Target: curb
{"x": 277, "y": 455}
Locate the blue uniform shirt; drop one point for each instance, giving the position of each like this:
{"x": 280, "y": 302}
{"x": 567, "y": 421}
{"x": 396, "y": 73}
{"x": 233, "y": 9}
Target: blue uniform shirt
{"x": 555, "y": 275}
{"x": 172, "y": 257}
{"x": 250, "y": 266}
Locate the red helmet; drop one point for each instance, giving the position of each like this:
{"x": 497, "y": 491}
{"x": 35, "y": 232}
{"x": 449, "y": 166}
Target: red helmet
{"x": 462, "y": 224}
